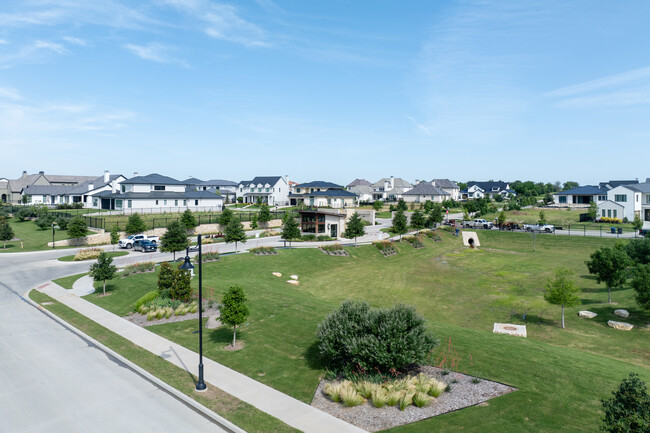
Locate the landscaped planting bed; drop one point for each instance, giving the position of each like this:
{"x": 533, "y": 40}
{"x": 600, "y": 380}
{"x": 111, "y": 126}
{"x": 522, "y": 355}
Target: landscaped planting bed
{"x": 386, "y": 247}
{"x": 138, "y": 268}
{"x": 416, "y": 241}
{"x": 264, "y": 251}
{"x": 334, "y": 250}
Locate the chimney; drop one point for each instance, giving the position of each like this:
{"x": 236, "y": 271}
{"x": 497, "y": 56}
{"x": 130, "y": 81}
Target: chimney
{"x": 286, "y": 179}
{"x": 417, "y": 181}
{"x": 91, "y": 187}
{"x": 135, "y": 174}
{"x": 107, "y": 176}
{"x": 41, "y": 172}
{"x": 24, "y": 174}
{"x": 392, "y": 182}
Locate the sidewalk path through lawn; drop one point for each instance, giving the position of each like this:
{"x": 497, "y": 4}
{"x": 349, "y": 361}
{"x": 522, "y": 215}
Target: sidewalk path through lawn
{"x": 287, "y": 409}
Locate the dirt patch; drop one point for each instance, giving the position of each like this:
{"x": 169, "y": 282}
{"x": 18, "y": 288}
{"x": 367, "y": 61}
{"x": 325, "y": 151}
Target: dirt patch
{"x": 103, "y": 296}
{"x": 238, "y": 346}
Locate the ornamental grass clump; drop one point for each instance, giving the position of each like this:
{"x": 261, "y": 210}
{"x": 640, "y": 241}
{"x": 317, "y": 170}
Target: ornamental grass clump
{"x": 379, "y": 396}
{"x": 366, "y": 388}
{"x": 394, "y": 397}
{"x": 421, "y": 399}
{"x": 350, "y": 397}
{"x": 406, "y": 400}
{"x": 87, "y": 254}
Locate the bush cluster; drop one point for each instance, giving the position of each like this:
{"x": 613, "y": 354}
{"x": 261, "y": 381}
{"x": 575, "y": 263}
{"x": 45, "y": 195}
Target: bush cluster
{"x": 78, "y": 205}
{"x": 87, "y": 254}
{"x": 332, "y": 248}
{"x": 384, "y": 339}
{"x": 385, "y": 247}
{"x": 138, "y": 267}
{"x": 608, "y": 220}
{"x": 263, "y": 250}
{"x": 207, "y": 256}
{"x": 145, "y": 299}
{"x": 416, "y": 241}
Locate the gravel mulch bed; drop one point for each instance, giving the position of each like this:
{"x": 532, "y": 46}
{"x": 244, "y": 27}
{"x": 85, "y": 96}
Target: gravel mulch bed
{"x": 141, "y": 319}
{"x": 463, "y": 394}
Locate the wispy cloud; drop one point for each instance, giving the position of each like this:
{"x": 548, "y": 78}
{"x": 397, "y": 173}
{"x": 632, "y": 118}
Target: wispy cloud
{"x": 52, "y": 46}
{"x": 75, "y": 41}
{"x": 636, "y": 75}
{"x": 10, "y": 93}
{"x": 36, "y": 52}
{"x": 222, "y": 21}
{"x": 419, "y": 125}
{"x": 155, "y": 52}
{"x": 3, "y": 41}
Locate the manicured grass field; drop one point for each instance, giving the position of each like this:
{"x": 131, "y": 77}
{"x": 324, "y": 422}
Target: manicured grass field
{"x": 67, "y": 282}
{"x": 108, "y": 253}
{"x": 561, "y": 374}
{"x": 557, "y": 217}
{"x": 32, "y": 237}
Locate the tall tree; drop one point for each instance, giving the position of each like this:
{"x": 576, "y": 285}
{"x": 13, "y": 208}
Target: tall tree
{"x": 637, "y": 224}
{"x": 354, "y": 228}
{"x": 165, "y": 279}
{"x": 77, "y": 227}
{"x": 188, "y": 220}
{"x": 501, "y": 218}
{"x": 399, "y": 223}
{"x": 593, "y": 210}
{"x": 378, "y": 205}
{"x": 181, "y": 289}
{"x": 6, "y": 232}
{"x": 609, "y": 266}
{"x": 115, "y": 235}
{"x": 103, "y": 270}
{"x": 641, "y": 285}
{"x": 290, "y": 230}
{"x": 265, "y": 216}
{"x": 135, "y": 224}
{"x": 435, "y": 215}
{"x": 417, "y": 220}
{"x": 225, "y": 217}
{"x": 254, "y": 222}
{"x": 174, "y": 239}
{"x": 628, "y": 411}
{"x": 234, "y": 232}
{"x": 542, "y": 218}
{"x": 233, "y": 310}
{"x": 401, "y": 205}
{"x": 561, "y": 290}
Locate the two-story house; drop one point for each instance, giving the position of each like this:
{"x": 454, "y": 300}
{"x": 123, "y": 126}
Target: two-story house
{"x": 425, "y": 191}
{"x": 627, "y": 202}
{"x": 487, "y": 189}
{"x": 390, "y": 189}
{"x": 448, "y": 186}
{"x": 226, "y": 188}
{"x": 321, "y": 194}
{"x": 270, "y": 190}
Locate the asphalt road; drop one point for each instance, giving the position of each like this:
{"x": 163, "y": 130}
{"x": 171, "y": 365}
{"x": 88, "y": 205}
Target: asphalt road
{"x": 52, "y": 381}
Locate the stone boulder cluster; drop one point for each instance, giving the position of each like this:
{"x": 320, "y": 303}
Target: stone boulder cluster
{"x": 623, "y": 326}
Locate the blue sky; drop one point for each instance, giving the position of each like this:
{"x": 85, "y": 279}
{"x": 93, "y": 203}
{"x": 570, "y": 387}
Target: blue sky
{"x": 328, "y": 90}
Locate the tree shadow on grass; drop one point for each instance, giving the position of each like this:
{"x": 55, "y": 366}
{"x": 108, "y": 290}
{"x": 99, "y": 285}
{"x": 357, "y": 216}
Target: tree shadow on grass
{"x": 533, "y": 319}
{"x": 313, "y": 358}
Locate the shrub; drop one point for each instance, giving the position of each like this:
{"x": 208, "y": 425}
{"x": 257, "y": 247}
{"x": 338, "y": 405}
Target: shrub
{"x": 87, "y": 254}
{"x": 323, "y": 238}
{"x": 365, "y": 388}
{"x": 181, "y": 289}
{"x": 165, "y": 280}
{"x": 406, "y": 400}
{"x": 416, "y": 241}
{"x": 333, "y": 391}
{"x": 77, "y": 227}
{"x": 331, "y": 248}
{"x": 393, "y": 397}
{"x": 421, "y": 399}
{"x": 629, "y": 408}
{"x": 379, "y": 397}
{"x": 308, "y": 237}
{"x": 207, "y": 256}
{"x": 350, "y": 397}
{"x": 262, "y": 250}
{"x": 356, "y": 336}
{"x": 145, "y": 299}
{"x": 385, "y": 247}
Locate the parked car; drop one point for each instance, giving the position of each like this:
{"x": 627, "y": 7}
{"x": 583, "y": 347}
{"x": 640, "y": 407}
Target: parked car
{"x": 128, "y": 242}
{"x": 145, "y": 245}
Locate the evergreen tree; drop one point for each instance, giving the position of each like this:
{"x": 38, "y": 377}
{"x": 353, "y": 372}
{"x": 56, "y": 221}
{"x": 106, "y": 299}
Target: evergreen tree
{"x": 290, "y": 230}
{"x": 593, "y": 210}
{"x": 135, "y": 224}
{"x": 6, "y": 232}
{"x": 103, "y": 270}
{"x": 115, "y": 235}
{"x": 399, "y": 223}
{"x": 234, "y": 232}
{"x": 641, "y": 285}
{"x": 542, "y": 218}
{"x": 378, "y": 205}
{"x": 561, "y": 291}
{"x": 181, "y": 289}
{"x": 401, "y": 205}
{"x": 265, "y": 215}
{"x": 174, "y": 239}
{"x": 233, "y": 310}
{"x": 637, "y": 223}
{"x": 77, "y": 227}
{"x": 254, "y": 222}
{"x": 354, "y": 228}
{"x": 417, "y": 220}
{"x": 165, "y": 280}
{"x": 609, "y": 266}
{"x": 628, "y": 411}
{"x": 501, "y": 219}
{"x": 188, "y": 220}
{"x": 225, "y": 217}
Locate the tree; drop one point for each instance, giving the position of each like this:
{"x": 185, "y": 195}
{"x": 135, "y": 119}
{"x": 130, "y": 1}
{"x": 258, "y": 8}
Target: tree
{"x": 435, "y": 215}
{"x": 417, "y": 220}
{"x": 637, "y": 223}
{"x": 115, "y": 235}
{"x": 378, "y": 205}
{"x": 233, "y": 310}
{"x": 135, "y": 224}
{"x": 629, "y": 408}
{"x": 501, "y": 218}
{"x": 254, "y": 222}
{"x": 609, "y": 266}
{"x": 165, "y": 280}
{"x": 225, "y": 217}
{"x": 188, "y": 220}
{"x": 290, "y": 230}
{"x": 181, "y": 289}
{"x": 542, "y": 218}
{"x": 561, "y": 290}
{"x": 234, "y": 232}
{"x": 570, "y": 185}
{"x": 174, "y": 239}
{"x": 354, "y": 228}
{"x": 77, "y": 227}
{"x": 103, "y": 270}
{"x": 401, "y": 205}
{"x": 44, "y": 221}
{"x": 641, "y": 285}
{"x": 638, "y": 250}
{"x": 399, "y": 223}
{"x": 593, "y": 210}
{"x": 265, "y": 215}
{"x": 6, "y": 232}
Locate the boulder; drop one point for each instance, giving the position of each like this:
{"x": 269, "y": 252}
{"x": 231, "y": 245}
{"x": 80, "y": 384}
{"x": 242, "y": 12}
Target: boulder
{"x": 622, "y": 313}
{"x": 294, "y": 277}
{"x": 587, "y": 314}
{"x": 620, "y": 325}
{"x": 277, "y": 274}
{"x": 294, "y": 282}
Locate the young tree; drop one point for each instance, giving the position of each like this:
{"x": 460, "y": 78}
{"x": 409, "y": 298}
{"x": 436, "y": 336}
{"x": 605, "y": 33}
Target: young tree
{"x": 77, "y": 228}
{"x": 501, "y": 218}
{"x": 103, "y": 270}
{"x": 542, "y": 218}
{"x": 265, "y": 216}
{"x": 428, "y": 205}
{"x": 290, "y": 230}
{"x": 135, "y": 224}
{"x": 637, "y": 223}
{"x": 181, "y": 289}
{"x": 233, "y": 310}
{"x": 561, "y": 291}
{"x": 401, "y": 205}
{"x": 609, "y": 266}
{"x": 354, "y": 228}
{"x": 378, "y": 205}
{"x": 435, "y": 215}
{"x": 115, "y": 235}
{"x": 399, "y": 223}
{"x": 234, "y": 232}
{"x": 417, "y": 220}
{"x": 641, "y": 285}
{"x": 225, "y": 217}
{"x": 174, "y": 239}
{"x": 165, "y": 279}
{"x": 254, "y": 222}
{"x": 629, "y": 408}
{"x": 6, "y": 232}
{"x": 188, "y": 220}
{"x": 593, "y": 210}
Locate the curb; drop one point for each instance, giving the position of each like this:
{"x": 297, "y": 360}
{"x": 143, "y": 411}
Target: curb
{"x": 188, "y": 401}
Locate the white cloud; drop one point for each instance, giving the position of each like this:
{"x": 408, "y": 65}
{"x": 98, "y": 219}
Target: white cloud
{"x": 3, "y": 41}
{"x": 75, "y": 41}
{"x": 45, "y": 45}
{"x": 419, "y": 125}
{"x": 10, "y": 93}
{"x": 642, "y": 74}
{"x": 35, "y": 52}
{"x": 155, "y": 52}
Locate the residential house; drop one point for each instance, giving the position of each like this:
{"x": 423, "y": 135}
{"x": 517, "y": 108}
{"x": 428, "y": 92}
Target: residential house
{"x": 226, "y": 188}
{"x": 626, "y": 202}
{"x": 84, "y": 192}
{"x": 11, "y": 189}
{"x": 271, "y": 190}
{"x": 614, "y": 183}
{"x": 156, "y": 193}
{"x": 322, "y": 222}
{"x": 487, "y": 189}
{"x": 425, "y": 191}
{"x": 580, "y": 196}
{"x": 390, "y": 189}
{"x": 358, "y": 182}
{"x": 321, "y": 194}
{"x": 448, "y": 186}
{"x": 364, "y": 192}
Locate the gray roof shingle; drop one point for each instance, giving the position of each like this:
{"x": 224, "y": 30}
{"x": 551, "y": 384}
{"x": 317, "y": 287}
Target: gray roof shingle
{"x": 425, "y": 188}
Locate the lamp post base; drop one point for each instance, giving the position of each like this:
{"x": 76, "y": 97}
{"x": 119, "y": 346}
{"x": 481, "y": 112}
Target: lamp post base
{"x": 200, "y": 384}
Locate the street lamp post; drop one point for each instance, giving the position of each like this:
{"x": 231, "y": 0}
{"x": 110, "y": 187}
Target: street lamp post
{"x": 187, "y": 265}
{"x": 53, "y": 230}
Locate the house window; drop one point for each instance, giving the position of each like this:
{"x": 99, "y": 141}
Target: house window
{"x": 159, "y": 187}
{"x": 165, "y": 202}
{"x": 196, "y": 202}
{"x": 118, "y": 204}
{"x": 184, "y": 202}
{"x": 129, "y": 203}
{"x": 156, "y": 202}
{"x": 647, "y": 198}
{"x": 123, "y": 188}
{"x": 95, "y": 202}
{"x": 609, "y": 213}
{"x": 636, "y": 195}
{"x": 620, "y": 198}
{"x": 268, "y": 189}
{"x": 175, "y": 202}
{"x": 563, "y": 199}
{"x": 602, "y": 197}
{"x": 614, "y": 213}
{"x": 603, "y": 213}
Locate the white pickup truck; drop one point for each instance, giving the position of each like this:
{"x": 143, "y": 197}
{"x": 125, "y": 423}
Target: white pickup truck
{"x": 128, "y": 242}
{"x": 546, "y": 228}
{"x": 478, "y": 224}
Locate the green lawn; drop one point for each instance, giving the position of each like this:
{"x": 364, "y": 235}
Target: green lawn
{"x": 31, "y": 237}
{"x": 561, "y": 374}
{"x": 67, "y": 282}
{"x": 229, "y": 407}
{"x": 559, "y": 217}
{"x": 108, "y": 253}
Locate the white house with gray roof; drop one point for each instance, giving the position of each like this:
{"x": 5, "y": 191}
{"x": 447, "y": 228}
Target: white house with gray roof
{"x": 11, "y": 189}
{"x": 321, "y": 194}
{"x": 425, "y": 191}
{"x": 448, "y": 186}
{"x": 627, "y": 201}
{"x": 390, "y": 188}
{"x": 271, "y": 190}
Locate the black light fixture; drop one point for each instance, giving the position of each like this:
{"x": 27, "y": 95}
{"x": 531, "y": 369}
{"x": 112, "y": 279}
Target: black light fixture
{"x": 54, "y": 226}
{"x": 188, "y": 266}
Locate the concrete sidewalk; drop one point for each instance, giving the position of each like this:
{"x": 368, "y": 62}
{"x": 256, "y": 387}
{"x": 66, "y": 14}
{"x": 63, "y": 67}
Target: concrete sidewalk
{"x": 287, "y": 409}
